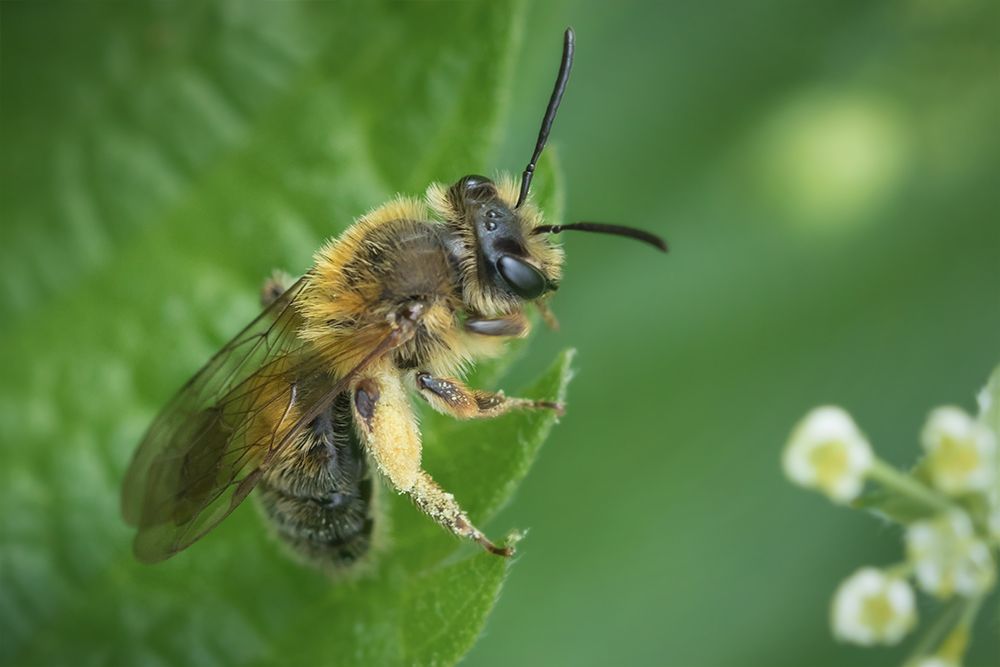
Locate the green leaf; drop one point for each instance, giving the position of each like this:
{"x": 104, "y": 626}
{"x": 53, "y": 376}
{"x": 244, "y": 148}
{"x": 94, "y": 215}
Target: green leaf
{"x": 155, "y": 170}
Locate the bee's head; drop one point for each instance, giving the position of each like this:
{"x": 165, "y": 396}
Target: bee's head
{"x": 508, "y": 257}
{"x": 497, "y": 238}
{"x": 501, "y": 260}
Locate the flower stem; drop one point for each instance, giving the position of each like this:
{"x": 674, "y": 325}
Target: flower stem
{"x": 900, "y": 570}
{"x": 906, "y": 485}
{"x": 937, "y": 632}
{"x": 953, "y": 647}
{"x": 972, "y": 606}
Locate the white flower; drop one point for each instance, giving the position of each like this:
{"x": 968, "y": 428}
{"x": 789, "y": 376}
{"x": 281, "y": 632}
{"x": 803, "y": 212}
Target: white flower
{"x": 961, "y": 452}
{"x": 932, "y": 661}
{"x": 827, "y": 452}
{"x": 948, "y": 556}
{"x": 871, "y": 607}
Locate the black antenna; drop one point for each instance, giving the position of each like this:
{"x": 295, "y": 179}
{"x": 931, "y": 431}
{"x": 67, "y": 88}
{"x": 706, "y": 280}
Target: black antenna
{"x": 550, "y": 113}
{"x": 601, "y": 228}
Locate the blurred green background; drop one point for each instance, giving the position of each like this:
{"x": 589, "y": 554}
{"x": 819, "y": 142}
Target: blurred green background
{"x": 826, "y": 173}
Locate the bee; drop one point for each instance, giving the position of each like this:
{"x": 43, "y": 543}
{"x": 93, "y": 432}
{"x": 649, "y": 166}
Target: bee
{"x": 313, "y": 396}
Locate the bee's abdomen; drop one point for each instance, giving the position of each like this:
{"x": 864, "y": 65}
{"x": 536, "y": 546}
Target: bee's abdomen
{"x": 320, "y": 504}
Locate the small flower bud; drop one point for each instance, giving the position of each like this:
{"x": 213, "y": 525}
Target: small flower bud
{"x": 948, "y": 556}
{"x": 871, "y": 607}
{"x": 827, "y": 452}
{"x": 961, "y": 452}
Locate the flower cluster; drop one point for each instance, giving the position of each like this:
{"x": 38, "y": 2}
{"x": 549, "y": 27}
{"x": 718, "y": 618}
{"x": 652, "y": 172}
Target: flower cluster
{"x": 949, "y": 506}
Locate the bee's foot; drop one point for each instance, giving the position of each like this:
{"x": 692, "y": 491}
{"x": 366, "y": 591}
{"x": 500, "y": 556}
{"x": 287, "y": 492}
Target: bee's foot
{"x": 506, "y": 551}
{"x": 556, "y": 406}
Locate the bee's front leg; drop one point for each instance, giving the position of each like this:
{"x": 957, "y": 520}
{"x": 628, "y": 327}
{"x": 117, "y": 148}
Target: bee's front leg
{"x": 547, "y": 315}
{"x": 449, "y": 396}
{"x": 514, "y": 325}
{"x": 386, "y": 423}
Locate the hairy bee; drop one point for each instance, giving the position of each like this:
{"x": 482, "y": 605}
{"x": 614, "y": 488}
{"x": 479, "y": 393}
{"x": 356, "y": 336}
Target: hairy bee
{"x": 314, "y": 393}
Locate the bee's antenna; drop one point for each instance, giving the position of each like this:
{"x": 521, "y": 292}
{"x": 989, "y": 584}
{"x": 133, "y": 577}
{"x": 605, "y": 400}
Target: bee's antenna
{"x": 601, "y": 228}
{"x": 550, "y": 113}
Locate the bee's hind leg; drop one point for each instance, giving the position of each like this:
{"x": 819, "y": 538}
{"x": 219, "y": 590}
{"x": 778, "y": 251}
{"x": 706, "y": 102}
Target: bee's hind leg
{"x": 451, "y": 397}
{"x": 439, "y": 505}
{"x": 385, "y": 421}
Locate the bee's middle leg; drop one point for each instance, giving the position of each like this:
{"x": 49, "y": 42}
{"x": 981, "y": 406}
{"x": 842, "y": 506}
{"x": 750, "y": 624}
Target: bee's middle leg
{"x": 386, "y": 423}
{"x": 451, "y": 397}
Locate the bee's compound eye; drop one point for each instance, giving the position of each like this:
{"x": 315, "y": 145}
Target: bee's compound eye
{"x": 525, "y": 280}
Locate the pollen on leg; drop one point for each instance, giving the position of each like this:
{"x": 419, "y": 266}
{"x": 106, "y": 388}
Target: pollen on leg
{"x": 388, "y": 427}
{"x": 441, "y": 506}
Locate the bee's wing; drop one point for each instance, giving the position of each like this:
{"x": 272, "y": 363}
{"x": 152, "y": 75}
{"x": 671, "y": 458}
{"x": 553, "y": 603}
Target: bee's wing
{"x": 207, "y": 450}
{"x": 204, "y": 453}
{"x": 200, "y": 457}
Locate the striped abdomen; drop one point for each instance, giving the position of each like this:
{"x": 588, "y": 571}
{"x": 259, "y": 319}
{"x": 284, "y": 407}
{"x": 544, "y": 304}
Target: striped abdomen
{"x": 320, "y": 502}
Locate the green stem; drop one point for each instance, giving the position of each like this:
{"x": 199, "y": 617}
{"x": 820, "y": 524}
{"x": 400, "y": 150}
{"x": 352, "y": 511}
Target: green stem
{"x": 941, "y": 627}
{"x": 906, "y": 485}
{"x": 953, "y": 648}
{"x": 972, "y": 606}
{"x": 949, "y": 636}
{"x": 900, "y": 570}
